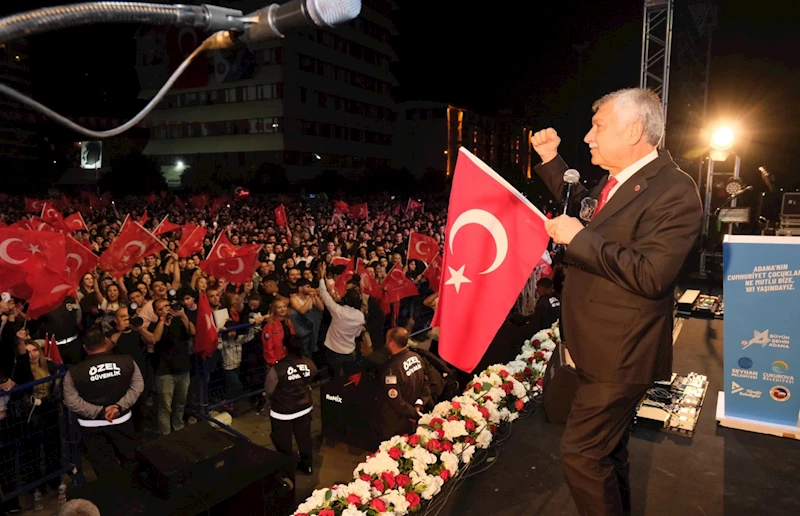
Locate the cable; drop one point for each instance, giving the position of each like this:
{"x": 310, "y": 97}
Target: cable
{"x": 221, "y": 39}
{"x": 206, "y": 17}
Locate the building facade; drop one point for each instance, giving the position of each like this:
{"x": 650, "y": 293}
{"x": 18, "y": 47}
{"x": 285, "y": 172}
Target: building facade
{"x": 429, "y": 134}
{"x": 315, "y": 100}
{"x": 18, "y": 124}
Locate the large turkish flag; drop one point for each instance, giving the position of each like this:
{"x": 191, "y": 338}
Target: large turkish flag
{"x": 494, "y": 239}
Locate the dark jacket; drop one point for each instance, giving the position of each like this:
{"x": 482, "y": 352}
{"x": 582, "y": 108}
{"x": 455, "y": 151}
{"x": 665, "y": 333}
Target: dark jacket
{"x": 616, "y": 317}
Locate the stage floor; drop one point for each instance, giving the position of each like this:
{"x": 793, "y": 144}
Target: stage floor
{"x": 718, "y": 471}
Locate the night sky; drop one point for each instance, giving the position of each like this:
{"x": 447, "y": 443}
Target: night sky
{"x": 514, "y": 55}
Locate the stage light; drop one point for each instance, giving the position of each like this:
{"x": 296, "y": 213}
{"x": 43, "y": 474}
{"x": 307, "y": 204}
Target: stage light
{"x": 722, "y": 139}
{"x": 180, "y": 164}
{"x": 734, "y": 186}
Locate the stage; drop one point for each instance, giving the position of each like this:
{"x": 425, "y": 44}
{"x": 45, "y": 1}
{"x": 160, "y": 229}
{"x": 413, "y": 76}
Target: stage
{"x": 718, "y": 471}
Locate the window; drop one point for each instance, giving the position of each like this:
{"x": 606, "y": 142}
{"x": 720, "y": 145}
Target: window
{"x": 303, "y": 95}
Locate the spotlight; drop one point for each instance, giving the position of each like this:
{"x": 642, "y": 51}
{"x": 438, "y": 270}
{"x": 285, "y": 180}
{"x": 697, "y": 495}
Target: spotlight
{"x": 734, "y": 186}
{"x": 722, "y": 139}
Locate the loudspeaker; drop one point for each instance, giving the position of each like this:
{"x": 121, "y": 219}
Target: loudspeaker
{"x": 559, "y": 386}
{"x": 182, "y": 459}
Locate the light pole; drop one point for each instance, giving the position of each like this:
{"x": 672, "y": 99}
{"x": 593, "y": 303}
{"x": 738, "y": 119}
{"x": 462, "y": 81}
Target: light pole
{"x": 722, "y": 141}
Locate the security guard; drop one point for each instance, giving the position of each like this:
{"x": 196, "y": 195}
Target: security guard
{"x": 405, "y": 387}
{"x": 548, "y": 307}
{"x": 100, "y": 390}
{"x": 288, "y": 389}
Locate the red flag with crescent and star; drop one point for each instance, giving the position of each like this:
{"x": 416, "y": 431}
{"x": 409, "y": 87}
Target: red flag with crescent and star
{"x": 422, "y": 247}
{"x": 133, "y": 243}
{"x": 237, "y": 268}
{"x": 494, "y": 239}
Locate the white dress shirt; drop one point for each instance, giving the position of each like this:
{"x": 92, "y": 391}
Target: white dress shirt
{"x": 627, "y": 172}
{"x": 346, "y": 323}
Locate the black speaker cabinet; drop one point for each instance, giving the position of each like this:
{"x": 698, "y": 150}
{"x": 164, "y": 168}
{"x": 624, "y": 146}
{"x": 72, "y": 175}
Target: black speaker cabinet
{"x": 201, "y": 471}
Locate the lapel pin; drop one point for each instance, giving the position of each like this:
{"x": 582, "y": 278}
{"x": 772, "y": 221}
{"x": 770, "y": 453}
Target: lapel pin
{"x": 637, "y": 188}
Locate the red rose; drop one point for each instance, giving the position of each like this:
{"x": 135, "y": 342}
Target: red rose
{"x": 433, "y": 446}
{"x": 353, "y": 499}
{"x": 388, "y": 478}
{"x": 484, "y": 412}
{"x": 395, "y": 453}
{"x": 528, "y": 371}
{"x": 327, "y": 512}
{"x": 412, "y": 499}
{"x": 377, "y": 504}
{"x": 536, "y": 342}
{"x": 452, "y": 418}
{"x": 378, "y": 485}
{"x": 447, "y": 446}
{"x": 366, "y": 478}
{"x": 477, "y": 388}
{"x": 445, "y": 474}
{"x": 456, "y": 405}
{"x": 436, "y": 422}
{"x": 413, "y": 440}
{"x": 402, "y": 480}
{"x": 493, "y": 429}
{"x": 488, "y": 398}
{"x": 301, "y": 514}
{"x": 470, "y": 424}
{"x": 519, "y": 405}
{"x": 504, "y": 373}
{"x": 440, "y": 433}
{"x": 507, "y": 387}
{"x": 540, "y": 382}
{"x": 469, "y": 440}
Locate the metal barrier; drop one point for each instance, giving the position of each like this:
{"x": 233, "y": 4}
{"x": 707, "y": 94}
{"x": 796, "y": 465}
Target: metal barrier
{"x": 38, "y": 438}
{"x": 218, "y": 392}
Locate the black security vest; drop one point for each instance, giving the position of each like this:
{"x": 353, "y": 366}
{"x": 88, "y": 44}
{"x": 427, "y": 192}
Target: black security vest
{"x": 293, "y": 392}
{"x": 103, "y": 379}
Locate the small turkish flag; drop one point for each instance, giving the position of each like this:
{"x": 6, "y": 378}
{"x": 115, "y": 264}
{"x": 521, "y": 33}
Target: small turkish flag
{"x": 280, "y": 216}
{"x": 166, "y": 226}
{"x": 434, "y": 273}
{"x": 131, "y": 245}
{"x": 413, "y": 206}
{"x": 237, "y": 269}
{"x": 359, "y": 211}
{"x": 494, "y": 239}
{"x": 205, "y": 338}
{"x": 223, "y": 248}
{"x": 33, "y": 205}
{"x": 191, "y": 240}
{"x": 75, "y": 222}
{"x": 422, "y": 247}
{"x": 341, "y": 207}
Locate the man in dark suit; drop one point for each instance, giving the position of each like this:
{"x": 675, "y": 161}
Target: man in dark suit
{"x": 617, "y": 303}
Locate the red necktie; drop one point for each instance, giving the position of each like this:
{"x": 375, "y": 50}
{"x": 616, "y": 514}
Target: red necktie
{"x": 611, "y": 183}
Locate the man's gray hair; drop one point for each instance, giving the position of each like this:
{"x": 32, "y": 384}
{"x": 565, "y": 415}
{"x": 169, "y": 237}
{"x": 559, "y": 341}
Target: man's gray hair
{"x": 638, "y": 104}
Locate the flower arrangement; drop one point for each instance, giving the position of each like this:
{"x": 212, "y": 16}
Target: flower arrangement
{"x": 409, "y": 470}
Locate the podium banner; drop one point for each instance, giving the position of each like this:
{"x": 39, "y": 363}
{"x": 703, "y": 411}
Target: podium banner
{"x": 762, "y": 328}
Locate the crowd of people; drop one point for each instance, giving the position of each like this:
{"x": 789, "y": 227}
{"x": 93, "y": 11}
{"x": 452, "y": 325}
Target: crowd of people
{"x": 129, "y": 339}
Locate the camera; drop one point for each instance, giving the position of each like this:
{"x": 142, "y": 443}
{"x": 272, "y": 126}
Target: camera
{"x": 135, "y": 320}
{"x": 174, "y": 303}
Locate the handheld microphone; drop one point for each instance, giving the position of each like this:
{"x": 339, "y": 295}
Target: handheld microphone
{"x": 765, "y": 177}
{"x": 571, "y": 178}
{"x": 274, "y": 21}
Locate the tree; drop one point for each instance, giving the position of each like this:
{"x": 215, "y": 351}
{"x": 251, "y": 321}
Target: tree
{"x": 133, "y": 175}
